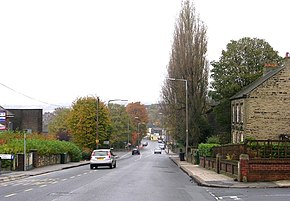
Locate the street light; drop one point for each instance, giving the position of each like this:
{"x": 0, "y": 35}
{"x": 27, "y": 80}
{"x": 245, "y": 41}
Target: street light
{"x": 186, "y": 112}
{"x": 116, "y": 100}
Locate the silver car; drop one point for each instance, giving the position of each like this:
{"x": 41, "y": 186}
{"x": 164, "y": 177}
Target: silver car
{"x": 157, "y": 150}
{"x": 103, "y": 157}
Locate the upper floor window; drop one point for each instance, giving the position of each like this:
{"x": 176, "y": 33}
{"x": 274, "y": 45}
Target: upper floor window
{"x": 233, "y": 114}
{"x": 242, "y": 113}
{"x": 238, "y": 113}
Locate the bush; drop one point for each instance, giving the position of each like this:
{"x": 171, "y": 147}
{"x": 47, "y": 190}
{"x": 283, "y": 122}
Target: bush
{"x": 206, "y": 149}
{"x": 213, "y": 140}
{"x": 43, "y": 147}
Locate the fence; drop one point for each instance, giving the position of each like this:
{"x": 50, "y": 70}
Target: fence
{"x": 255, "y": 149}
{"x": 254, "y": 160}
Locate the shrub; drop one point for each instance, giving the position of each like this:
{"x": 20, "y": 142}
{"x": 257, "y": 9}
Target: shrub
{"x": 43, "y": 147}
{"x": 213, "y": 140}
{"x": 206, "y": 149}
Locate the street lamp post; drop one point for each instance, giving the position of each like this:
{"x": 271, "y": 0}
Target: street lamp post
{"x": 115, "y": 100}
{"x": 186, "y": 112}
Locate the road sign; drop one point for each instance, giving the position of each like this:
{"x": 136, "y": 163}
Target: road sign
{"x": 7, "y": 156}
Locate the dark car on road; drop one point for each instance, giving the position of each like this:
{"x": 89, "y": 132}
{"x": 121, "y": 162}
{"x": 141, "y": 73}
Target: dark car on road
{"x": 135, "y": 151}
{"x": 145, "y": 144}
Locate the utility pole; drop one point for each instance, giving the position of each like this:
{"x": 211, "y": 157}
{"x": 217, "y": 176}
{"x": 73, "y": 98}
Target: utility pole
{"x": 97, "y": 124}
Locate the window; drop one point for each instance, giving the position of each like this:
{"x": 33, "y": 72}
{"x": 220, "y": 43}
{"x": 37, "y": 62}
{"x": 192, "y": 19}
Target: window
{"x": 238, "y": 113}
{"x": 233, "y": 113}
{"x": 242, "y": 113}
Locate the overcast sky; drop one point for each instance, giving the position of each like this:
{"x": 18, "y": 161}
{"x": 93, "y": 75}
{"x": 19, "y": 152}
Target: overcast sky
{"x": 55, "y": 51}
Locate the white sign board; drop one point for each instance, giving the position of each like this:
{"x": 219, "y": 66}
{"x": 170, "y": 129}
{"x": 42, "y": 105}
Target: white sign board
{"x": 7, "y": 156}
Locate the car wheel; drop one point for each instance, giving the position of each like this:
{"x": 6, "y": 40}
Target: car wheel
{"x": 115, "y": 165}
{"x": 111, "y": 166}
{"x": 92, "y": 167}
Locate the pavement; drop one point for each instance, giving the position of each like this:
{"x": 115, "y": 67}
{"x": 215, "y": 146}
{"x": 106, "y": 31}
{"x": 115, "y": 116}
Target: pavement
{"x": 201, "y": 176}
{"x": 209, "y": 178}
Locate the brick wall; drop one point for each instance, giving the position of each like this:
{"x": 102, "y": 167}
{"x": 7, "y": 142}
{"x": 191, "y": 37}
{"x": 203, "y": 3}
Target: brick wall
{"x": 250, "y": 170}
{"x": 265, "y": 170}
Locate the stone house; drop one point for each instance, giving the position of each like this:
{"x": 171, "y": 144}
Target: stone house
{"x": 262, "y": 109}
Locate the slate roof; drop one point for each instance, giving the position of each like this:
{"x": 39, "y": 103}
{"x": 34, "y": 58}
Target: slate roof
{"x": 247, "y": 89}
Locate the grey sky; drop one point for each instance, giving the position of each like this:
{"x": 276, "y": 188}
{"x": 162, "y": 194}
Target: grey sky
{"x": 56, "y": 51}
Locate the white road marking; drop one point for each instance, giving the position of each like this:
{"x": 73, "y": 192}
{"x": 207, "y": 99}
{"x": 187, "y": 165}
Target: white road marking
{"x": 30, "y": 189}
{"x": 12, "y": 194}
{"x": 125, "y": 155}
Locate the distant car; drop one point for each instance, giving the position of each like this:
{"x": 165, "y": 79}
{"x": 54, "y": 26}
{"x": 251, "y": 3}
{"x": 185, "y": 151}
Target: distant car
{"x": 135, "y": 151}
{"x": 103, "y": 157}
{"x": 159, "y": 141}
{"x": 162, "y": 146}
{"x": 157, "y": 150}
{"x": 145, "y": 144}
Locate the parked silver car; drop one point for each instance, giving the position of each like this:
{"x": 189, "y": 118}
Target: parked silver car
{"x": 103, "y": 157}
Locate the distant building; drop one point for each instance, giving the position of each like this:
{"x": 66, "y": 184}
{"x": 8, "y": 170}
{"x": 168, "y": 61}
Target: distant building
{"x": 5, "y": 118}
{"x": 26, "y": 119}
{"x": 262, "y": 109}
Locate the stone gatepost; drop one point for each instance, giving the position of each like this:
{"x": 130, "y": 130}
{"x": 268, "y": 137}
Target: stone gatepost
{"x": 243, "y": 168}
{"x": 218, "y": 163}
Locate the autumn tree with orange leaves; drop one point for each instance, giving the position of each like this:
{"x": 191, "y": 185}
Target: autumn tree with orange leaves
{"x": 139, "y": 118}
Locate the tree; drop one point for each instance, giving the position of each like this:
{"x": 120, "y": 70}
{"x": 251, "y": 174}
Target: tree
{"x": 120, "y": 125}
{"x": 82, "y": 121}
{"x": 139, "y": 118}
{"x": 187, "y": 62}
{"x": 58, "y": 124}
{"x": 240, "y": 64}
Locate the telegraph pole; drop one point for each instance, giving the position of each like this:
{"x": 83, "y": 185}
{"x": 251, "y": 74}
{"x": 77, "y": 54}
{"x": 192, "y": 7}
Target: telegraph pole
{"x": 97, "y": 123}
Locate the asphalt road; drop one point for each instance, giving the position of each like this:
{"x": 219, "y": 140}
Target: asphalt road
{"x": 145, "y": 177}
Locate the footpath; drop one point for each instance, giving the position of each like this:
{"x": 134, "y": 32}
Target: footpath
{"x": 209, "y": 178}
{"x": 200, "y": 175}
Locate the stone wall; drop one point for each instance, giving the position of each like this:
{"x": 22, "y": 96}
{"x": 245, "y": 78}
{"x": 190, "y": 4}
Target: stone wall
{"x": 268, "y": 108}
{"x": 265, "y": 111}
